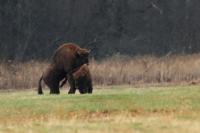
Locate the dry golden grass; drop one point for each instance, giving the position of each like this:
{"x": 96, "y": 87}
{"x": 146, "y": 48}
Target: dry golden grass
{"x": 116, "y": 70}
{"x": 147, "y": 69}
{"x": 109, "y": 124}
{"x": 20, "y": 75}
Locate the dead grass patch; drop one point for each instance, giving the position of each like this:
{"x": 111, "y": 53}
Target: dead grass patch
{"x": 116, "y": 70}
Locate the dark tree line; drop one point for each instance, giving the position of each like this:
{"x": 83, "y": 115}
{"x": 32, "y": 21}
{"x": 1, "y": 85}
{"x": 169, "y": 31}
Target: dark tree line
{"x": 32, "y": 29}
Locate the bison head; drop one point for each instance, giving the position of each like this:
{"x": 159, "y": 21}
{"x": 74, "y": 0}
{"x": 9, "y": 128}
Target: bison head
{"x": 82, "y": 57}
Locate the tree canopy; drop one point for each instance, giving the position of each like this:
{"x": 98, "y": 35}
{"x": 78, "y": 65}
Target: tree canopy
{"x": 33, "y": 29}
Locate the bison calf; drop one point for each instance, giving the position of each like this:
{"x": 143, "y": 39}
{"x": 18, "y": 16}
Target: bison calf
{"x": 80, "y": 79}
{"x": 83, "y": 80}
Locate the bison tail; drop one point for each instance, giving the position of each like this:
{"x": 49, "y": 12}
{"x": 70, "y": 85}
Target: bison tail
{"x": 40, "y": 92}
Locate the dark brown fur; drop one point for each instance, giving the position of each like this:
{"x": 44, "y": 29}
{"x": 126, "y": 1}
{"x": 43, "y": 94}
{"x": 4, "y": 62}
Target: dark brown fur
{"x": 82, "y": 80}
{"x": 66, "y": 58}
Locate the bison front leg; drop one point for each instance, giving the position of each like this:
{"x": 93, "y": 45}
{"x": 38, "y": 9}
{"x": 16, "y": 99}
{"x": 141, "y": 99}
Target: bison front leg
{"x": 82, "y": 86}
{"x": 82, "y": 91}
{"x": 90, "y": 88}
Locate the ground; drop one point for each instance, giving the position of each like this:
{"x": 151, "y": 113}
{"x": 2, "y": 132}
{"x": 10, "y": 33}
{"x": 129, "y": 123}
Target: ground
{"x": 113, "y": 109}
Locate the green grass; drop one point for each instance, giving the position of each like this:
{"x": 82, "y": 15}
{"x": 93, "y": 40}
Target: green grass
{"x": 110, "y": 109}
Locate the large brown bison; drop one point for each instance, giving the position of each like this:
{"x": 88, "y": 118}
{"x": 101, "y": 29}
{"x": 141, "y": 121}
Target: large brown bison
{"x": 65, "y": 59}
{"x": 80, "y": 79}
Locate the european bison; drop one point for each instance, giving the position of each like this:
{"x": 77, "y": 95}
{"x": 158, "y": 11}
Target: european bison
{"x": 80, "y": 79}
{"x": 65, "y": 59}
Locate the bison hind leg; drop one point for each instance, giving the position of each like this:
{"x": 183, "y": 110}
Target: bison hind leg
{"x": 54, "y": 89}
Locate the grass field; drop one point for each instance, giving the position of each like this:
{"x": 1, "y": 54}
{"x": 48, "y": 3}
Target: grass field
{"x": 116, "y": 109}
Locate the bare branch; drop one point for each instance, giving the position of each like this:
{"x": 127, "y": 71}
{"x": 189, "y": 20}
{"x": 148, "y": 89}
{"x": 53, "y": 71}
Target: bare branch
{"x": 157, "y": 8}
{"x": 151, "y": 5}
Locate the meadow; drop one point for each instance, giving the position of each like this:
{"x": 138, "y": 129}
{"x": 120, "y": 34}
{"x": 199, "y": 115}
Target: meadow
{"x": 110, "y": 109}
{"x": 144, "y": 94}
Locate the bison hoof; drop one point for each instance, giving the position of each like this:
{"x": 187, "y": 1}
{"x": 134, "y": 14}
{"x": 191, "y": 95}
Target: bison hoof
{"x": 40, "y": 93}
